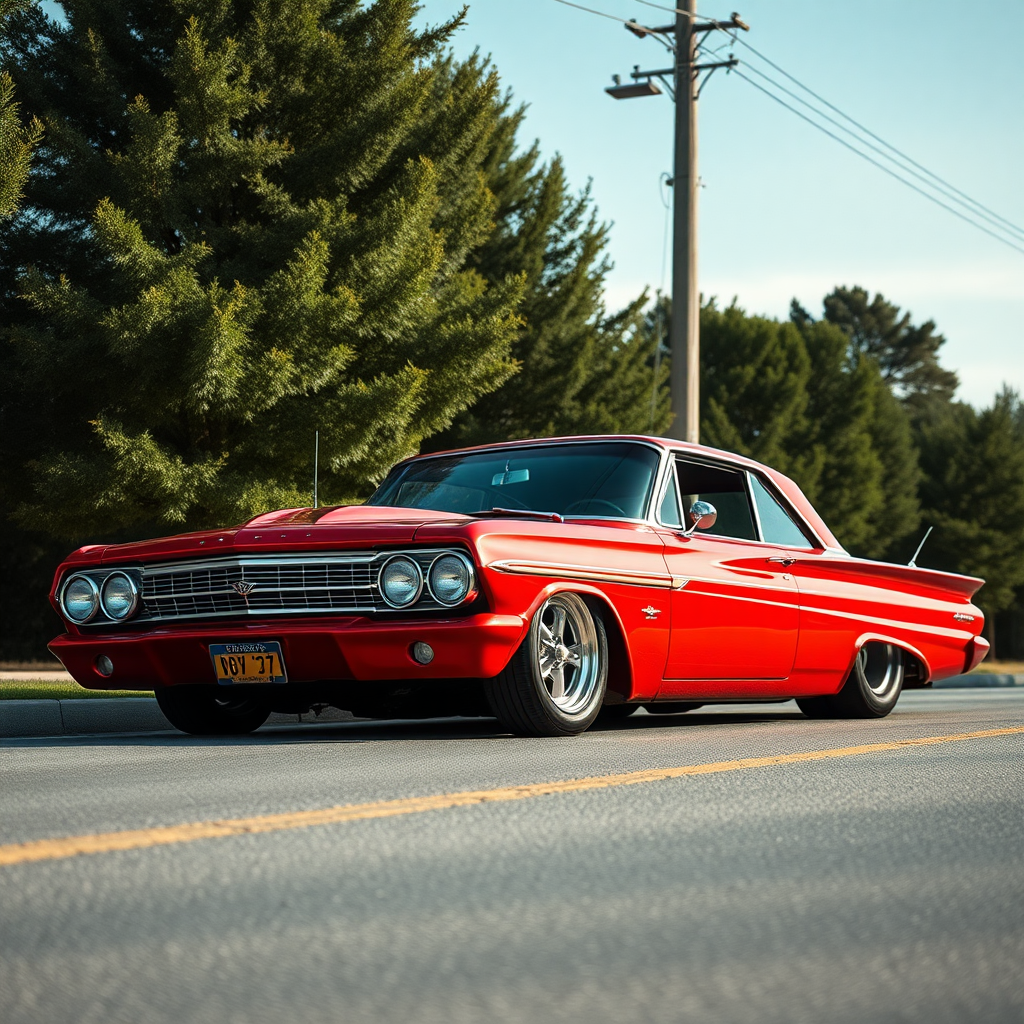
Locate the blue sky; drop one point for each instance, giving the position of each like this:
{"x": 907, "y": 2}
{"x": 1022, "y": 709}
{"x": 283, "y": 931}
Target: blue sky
{"x": 785, "y": 211}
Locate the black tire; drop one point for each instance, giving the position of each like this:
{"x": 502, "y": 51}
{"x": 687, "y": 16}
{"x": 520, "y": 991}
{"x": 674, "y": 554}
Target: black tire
{"x": 871, "y": 689}
{"x": 210, "y": 711}
{"x": 541, "y": 691}
{"x": 670, "y": 707}
{"x": 612, "y": 713}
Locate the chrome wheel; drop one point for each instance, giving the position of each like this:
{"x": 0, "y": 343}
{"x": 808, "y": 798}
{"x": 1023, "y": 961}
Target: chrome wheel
{"x": 566, "y": 653}
{"x": 880, "y": 669}
{"x": 554, "y": 684}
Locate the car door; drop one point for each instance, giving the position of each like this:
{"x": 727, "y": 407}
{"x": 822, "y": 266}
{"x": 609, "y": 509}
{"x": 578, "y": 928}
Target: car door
{"x": 735, "y": 607}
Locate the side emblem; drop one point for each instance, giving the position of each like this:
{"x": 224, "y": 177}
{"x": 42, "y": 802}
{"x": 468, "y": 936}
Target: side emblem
{"x": 963, "y": 617}
{"x": 651, "y": 612}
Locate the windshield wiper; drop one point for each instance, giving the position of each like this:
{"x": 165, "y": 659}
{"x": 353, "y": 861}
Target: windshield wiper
{"x": 551, "y": 517}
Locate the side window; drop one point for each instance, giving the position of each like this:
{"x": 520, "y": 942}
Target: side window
{"x": 668, "y": 514}
{"x": 776, "y": 523}
{"x": 726, "y": 489}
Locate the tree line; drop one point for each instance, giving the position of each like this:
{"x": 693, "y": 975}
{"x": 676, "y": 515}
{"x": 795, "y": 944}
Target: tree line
{"x": 225, "y": 226}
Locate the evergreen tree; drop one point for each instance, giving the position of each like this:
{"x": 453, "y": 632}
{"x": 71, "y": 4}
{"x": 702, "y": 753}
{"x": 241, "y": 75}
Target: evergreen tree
{"x": 17, "y": 140}
{"x": 973, "y": 494}
{"x": 247, "y": 222}
{"x": 907, "y": 354}
{"x": 580, "y": 370}
{"x": 789, "y": 395}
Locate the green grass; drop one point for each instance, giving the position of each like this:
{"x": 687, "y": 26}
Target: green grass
{"x": 44, "y": 689}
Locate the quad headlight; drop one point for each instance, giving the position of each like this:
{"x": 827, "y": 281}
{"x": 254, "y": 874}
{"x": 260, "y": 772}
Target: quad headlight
{"x": 445, "y": 578}
{"x": 119, "y": 596}
{"x": 451, "y": 578}
{"x": 80, "y": 599}
{"x": 400, "y": 581}
{"x": 85, "y": 596}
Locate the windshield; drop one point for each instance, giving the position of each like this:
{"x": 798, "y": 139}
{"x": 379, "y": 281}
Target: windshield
{"x": 604, "y": 479}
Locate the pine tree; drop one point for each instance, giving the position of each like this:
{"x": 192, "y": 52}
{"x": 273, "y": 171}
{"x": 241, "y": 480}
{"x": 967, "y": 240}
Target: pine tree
{"x": 17, "y": 140}
{"x": 247, "y": 222}
{"x": 581, "y": 370}
{"x": 906, "y": 354}
{"x": 790, "y": 395}
{"x": 973, "y": 494}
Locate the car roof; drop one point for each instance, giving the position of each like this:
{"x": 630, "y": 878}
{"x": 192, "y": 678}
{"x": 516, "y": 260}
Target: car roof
{"x": 788, "y": 487}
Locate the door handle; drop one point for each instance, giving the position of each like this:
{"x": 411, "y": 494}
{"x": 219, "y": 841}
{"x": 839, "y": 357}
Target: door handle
{"x": 782, "y": 559}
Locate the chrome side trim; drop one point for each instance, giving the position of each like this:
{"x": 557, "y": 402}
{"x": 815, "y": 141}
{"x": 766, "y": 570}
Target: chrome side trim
{"x": 590, "y": 573}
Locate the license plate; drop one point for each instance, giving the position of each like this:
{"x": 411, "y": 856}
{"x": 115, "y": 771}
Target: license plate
{"x": 248, "y": 662}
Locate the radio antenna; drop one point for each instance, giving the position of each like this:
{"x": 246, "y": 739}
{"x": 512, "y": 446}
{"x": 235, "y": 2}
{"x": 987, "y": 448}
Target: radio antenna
{"x": 316, "y": 468}
{"x": 913, "y": 562}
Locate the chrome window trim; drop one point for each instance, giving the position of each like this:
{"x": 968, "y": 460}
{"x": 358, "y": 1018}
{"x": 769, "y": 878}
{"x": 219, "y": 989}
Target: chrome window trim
{"x": 787, "y": 507}
{"x": 720, "y": 463}
{"x": 670, "y": 479}
{"x": 753, "y": 505}
{"x": 677, "y": 454}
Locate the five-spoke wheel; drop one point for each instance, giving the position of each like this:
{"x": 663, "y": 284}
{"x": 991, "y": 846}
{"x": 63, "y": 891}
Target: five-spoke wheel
{"x": 555, "y": 683}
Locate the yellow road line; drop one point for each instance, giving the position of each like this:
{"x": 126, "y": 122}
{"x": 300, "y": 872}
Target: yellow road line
{"x": 137, "y": 839}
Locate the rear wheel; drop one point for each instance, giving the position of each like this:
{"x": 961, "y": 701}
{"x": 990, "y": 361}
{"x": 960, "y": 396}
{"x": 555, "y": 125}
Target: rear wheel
{"x": 870, "y": 691}
{"x": 212, "y": 711}
{"x": 555, "y": 682}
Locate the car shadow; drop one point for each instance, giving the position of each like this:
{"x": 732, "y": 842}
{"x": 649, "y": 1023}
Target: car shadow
{"x": 404, "y": 730}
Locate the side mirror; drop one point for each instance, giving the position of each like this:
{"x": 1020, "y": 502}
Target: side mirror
{"x": 703, "y": 515}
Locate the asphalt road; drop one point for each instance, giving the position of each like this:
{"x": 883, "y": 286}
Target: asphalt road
{"x": 885, "y": 885}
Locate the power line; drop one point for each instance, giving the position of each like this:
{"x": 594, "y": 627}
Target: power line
{"x": 931, "y": 180}
{"x": 671, "y": 10}
{"x": 877, "y": 138}
{"x": 880, "y": 166}
{"x": 948, "y": 192}
{"x": 590, "y": 10}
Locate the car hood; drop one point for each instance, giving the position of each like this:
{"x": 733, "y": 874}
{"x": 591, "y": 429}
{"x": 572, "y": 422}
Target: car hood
{"x": 338, "y": 527}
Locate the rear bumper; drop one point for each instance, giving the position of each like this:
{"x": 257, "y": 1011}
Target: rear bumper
{"x": 353, "y": 648}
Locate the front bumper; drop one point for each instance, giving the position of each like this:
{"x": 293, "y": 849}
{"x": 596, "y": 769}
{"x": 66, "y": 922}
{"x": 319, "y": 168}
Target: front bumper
{"x": 344, "y": 648}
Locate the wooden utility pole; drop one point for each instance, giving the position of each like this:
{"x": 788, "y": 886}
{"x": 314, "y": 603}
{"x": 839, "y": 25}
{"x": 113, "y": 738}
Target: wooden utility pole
{"x": 684, "y": 336}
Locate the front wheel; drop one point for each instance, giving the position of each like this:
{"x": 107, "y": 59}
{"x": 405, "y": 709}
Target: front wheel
{"x": 555, "y": 683}
{"x": 212, "y": 710}
{"x": 871, "y": 689}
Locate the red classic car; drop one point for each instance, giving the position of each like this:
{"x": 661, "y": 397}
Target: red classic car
{"x": 542, "y": 582}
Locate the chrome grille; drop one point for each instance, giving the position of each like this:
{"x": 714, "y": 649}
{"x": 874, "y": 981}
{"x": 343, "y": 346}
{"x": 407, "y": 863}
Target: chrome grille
{"x": 266, "y": 585}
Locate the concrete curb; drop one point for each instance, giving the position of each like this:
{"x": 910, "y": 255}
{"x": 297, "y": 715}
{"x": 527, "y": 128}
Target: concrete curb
{"x": 22, "y": 718}
{"x": 980, "y": 679}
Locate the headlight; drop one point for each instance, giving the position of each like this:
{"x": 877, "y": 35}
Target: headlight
{"x": 400, "y": 581}
{"x": 119, "y": 596}
{"x": 451, "y": 579}
{"x": 80, "y": 599}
